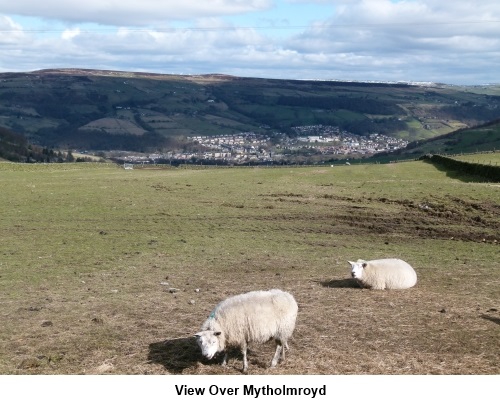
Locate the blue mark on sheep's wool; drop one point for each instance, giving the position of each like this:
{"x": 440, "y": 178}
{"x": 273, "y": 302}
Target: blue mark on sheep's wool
{"x": 212, "y": 314}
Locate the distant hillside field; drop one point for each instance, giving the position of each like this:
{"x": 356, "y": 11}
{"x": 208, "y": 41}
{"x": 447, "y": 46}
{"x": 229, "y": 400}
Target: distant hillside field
{"x": 484, "y": 138}
{"x": 113, "y": 126}
{"x": 482, "y": 158}
{"x": 104, "y": 110}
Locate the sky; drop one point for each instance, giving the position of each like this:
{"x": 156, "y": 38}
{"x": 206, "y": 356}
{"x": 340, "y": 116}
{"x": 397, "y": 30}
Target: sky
{"x": 444, "y": 41}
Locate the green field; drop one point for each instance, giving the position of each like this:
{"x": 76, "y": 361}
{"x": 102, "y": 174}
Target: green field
{"x": 492, "y": 159}
{"x": 88, "y": 253}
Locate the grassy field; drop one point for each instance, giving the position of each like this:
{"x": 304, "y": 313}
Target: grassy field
{"x": 492, "y": 159}
{"x": 89, "y": 253}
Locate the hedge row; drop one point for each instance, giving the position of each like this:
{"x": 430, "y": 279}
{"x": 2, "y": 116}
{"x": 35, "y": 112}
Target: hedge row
{"x": 491, "y": 173}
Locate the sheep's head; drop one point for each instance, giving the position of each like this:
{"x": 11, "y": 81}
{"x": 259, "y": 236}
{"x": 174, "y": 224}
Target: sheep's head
{"x": 209, "y": 342}
{"x": 357, "y": 269}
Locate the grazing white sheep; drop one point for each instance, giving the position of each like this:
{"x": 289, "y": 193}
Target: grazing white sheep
{"x": 256, "y": 316}
{"x": 383, "y": 274}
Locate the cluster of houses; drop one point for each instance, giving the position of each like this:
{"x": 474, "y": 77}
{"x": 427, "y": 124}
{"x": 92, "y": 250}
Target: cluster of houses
{"x": 237, "y": 149}
{"x": 237, "y": 143}
{"x": 250, "y": 147}
{"x": 333, "y": 140}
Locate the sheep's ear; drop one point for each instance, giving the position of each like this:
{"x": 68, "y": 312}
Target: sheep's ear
{"x": 351, "y": 263}
{"x": 217, "y": 333}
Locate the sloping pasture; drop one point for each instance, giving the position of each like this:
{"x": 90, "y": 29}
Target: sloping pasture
{"x": 90, "y": 252}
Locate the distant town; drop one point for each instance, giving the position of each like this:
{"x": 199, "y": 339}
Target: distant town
{"x": 314, "y": 143}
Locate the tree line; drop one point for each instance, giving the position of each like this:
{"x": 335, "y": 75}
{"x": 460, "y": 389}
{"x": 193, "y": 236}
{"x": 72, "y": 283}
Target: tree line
{"x": 15, "y": 147}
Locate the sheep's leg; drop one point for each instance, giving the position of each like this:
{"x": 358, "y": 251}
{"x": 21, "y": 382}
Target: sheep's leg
{"x": 244, "y": 352}
{"x": 224, "y": 361}
{"x": 280, "y": 349}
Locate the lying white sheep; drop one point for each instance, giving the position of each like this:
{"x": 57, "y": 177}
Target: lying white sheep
{"x": 257, "y": 316}
{"x": 384, "y": 274}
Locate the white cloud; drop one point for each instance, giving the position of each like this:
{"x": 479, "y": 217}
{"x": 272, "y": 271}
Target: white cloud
{"x": 70, "y": 33}
{"x": 409, "y": 36}
{"x": 129, "y": 12}
{"x": 10, "y": 32}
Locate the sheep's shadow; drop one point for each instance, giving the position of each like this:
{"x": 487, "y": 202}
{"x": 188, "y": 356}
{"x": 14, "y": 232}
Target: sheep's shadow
{"x": 344, "y": 283}
{"x": 175, "y": 354}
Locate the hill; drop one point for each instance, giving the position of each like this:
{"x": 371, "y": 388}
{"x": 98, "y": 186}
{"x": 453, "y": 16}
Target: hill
{"x": 16, "y": 148}
{"x": 477, "y": 139}
{"x": 470, "y": 140}
{"x": 105, "y": 110}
